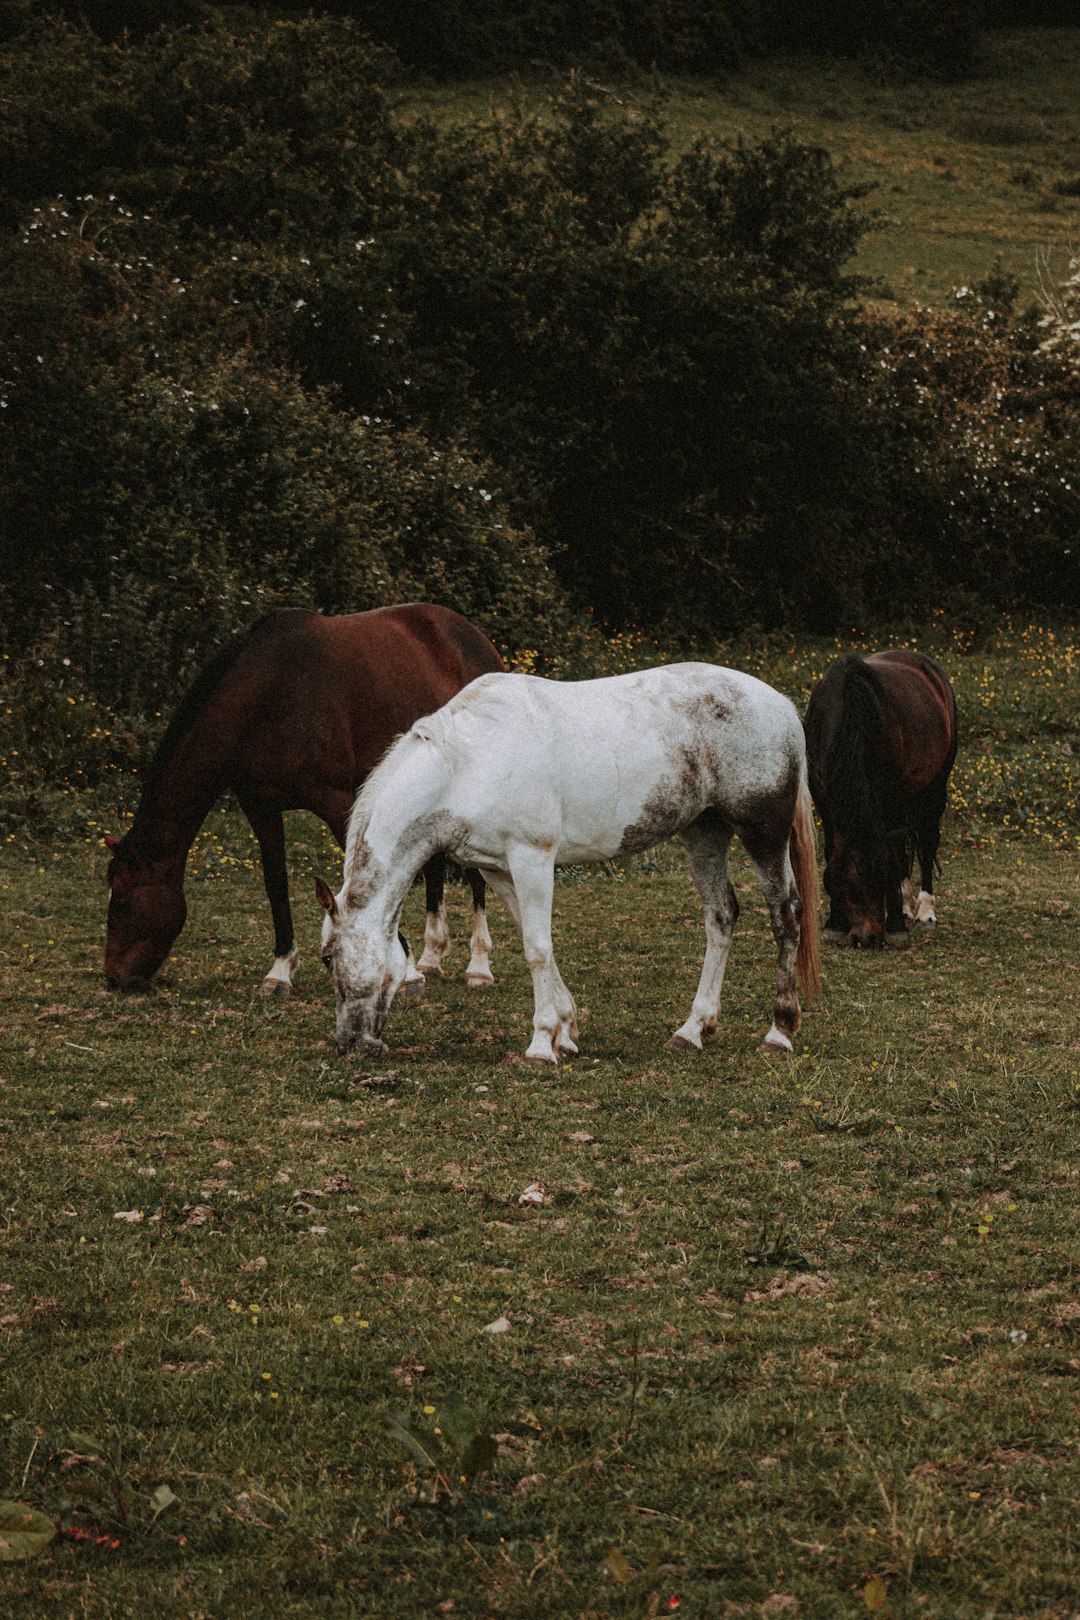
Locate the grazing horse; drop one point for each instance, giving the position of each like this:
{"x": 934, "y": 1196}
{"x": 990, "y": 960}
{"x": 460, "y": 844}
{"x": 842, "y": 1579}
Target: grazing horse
{"x": 519, "y": 774}
{"x": 880, "y": 741}
{"x": 291, "y": 714}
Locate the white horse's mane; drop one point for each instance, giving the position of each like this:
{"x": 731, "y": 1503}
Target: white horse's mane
{"x": 375, "y": 783}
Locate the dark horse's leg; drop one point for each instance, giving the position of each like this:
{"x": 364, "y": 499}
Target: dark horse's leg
{"x": 437, "y": 934}
{"x": 836, "y": 929}
{"x": 478, "y": 973}
{"x": 269, "y": 830}
{"x": 928, "y": 812}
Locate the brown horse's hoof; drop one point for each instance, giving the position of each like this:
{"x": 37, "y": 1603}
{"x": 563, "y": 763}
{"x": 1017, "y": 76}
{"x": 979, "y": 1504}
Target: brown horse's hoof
{"x": 275, "y": 987}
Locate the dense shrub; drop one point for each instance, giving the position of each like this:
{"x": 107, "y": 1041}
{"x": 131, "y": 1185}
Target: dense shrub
{"x": 482, "y": 36}
{"x": 985, "y": 443}
{"x": 155, "y": 492}
{"x": 320, "y": 352}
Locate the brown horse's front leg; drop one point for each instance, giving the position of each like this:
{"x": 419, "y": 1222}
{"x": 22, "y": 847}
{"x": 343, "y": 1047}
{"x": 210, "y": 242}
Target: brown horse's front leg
{"x": 269, "y": 829}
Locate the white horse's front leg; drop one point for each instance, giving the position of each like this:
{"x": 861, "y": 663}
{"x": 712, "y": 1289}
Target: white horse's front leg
{"x": 532, "y": 875}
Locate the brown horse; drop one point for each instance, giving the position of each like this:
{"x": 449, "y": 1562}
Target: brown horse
{"x": 291, "y": 714}
{"x": 881, "y": 741}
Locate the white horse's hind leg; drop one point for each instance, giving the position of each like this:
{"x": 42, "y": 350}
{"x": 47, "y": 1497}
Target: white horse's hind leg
{"x": 782, "y": 897}
{"x": 532, "y": 883}
{"x": 706, "y": 843}
{"x": 278, "y": 981}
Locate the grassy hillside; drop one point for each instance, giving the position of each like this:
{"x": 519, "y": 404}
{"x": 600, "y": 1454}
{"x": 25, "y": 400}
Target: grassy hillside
{"x": 964, "y": 174}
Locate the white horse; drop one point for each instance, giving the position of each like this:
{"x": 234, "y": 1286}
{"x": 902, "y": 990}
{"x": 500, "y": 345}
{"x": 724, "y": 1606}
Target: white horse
{"x": 516, "y": 775}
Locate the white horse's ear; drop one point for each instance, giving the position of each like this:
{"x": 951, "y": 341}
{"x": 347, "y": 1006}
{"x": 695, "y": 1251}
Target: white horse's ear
{"x": 326, "y": 896}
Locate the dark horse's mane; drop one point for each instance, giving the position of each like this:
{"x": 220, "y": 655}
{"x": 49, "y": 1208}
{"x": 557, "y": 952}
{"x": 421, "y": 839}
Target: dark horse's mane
{"x": 137, "y": 843}
{"x": 861, "y": 778}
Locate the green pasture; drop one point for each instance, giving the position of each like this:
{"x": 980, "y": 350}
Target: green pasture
{"x": 283, "y": 1335}
{"x": 964, "y": 175}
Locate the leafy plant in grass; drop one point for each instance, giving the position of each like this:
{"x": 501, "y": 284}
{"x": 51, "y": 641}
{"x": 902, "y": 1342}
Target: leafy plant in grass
{"x": 101, "y": 1491}
{"x": 452, "y": 1451}
{"x": 24, "y": 1532}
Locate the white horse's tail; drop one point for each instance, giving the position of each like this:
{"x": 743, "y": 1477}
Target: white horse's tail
{"x": 804, "y": 863}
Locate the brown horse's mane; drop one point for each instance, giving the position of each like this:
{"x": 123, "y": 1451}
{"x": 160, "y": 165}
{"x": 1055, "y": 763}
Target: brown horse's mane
{"x": 861, "y": 777}
{"x": 138, "y": 842}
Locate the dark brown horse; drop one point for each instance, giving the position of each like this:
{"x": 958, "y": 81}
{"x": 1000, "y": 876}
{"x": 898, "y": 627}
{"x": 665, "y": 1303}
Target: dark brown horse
{"x": 291, "y": 714}
{"x": 880, "y": 740}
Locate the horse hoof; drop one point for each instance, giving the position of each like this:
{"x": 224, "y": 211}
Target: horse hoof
{"x": 774, "y": 1049}
{"x": 479, "y": 981}
{"x": 275, "y": 987}
{"x": 432, "y": 972}
{"x": 536, "y": 1061}
{"x": 412, "y": 989}
{"x": 682, "y": 1043}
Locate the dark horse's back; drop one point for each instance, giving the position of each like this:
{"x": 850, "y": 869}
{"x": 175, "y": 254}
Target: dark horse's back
{"x": 889, "y": 717}
{"x": 880, "y": 741}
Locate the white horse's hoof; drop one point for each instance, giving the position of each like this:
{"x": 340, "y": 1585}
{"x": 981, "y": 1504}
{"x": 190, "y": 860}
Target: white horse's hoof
{"x": 275, "y": 987}
{"x": 537, "y": 1060}
{"x": 412, "y": 989}
{"x": 774, "y": 1049}
{"x": 430, "y": 970}
{"x": 683, "y": 1043}
{"x": 479, "y": 981}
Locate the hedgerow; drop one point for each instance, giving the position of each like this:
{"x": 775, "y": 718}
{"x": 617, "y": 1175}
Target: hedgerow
{"x": 267, "y": 339}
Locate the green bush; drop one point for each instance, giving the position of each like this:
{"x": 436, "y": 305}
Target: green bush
{"x": 179, "y": 491}
{"x": 317, "y": 352}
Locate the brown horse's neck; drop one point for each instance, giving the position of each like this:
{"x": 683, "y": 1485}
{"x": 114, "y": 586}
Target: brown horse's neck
{"x": 184, "y": 781}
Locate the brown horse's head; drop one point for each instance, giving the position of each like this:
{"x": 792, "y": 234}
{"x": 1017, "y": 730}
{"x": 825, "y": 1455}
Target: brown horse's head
{"x": 146, "y": 912}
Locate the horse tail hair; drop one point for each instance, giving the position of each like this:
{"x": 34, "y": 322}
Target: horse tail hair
{"x": 804, "y": 864}
{"x": 864, "y": 795}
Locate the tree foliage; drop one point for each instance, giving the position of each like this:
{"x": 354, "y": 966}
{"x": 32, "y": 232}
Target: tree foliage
{"x": 267, "y": 340}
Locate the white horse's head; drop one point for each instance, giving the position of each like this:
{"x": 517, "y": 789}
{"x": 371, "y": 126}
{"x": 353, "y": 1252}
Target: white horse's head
{"x": 367, "y": 965}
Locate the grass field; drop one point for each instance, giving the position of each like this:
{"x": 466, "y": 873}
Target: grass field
{"x": 965, "y": 174}
{"x": 779, "y": 1337}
